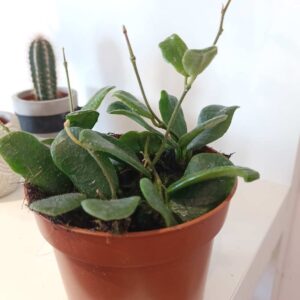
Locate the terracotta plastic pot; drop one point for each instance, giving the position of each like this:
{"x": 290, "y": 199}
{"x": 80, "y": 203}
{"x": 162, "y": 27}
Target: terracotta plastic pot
{"x": 165, "y": 264}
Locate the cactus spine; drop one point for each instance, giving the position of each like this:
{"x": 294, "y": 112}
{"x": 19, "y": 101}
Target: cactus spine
{"x": 42, "y": 64}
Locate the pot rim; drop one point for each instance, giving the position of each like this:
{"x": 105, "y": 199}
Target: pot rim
{"x": 19, "y": 96}
{"x": 147, "y": 233}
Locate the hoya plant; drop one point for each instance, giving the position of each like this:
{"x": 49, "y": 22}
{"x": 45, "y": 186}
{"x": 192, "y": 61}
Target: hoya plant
{"x": 159, "y": 177}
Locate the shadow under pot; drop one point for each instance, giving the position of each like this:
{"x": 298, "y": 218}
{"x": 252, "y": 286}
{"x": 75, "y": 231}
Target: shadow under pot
{"x": 43, "y": 118}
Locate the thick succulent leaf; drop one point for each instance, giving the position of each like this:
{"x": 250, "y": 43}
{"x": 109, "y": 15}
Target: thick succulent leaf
{"x": 83, "y": 118}
{"x": 212, "y": 173}
{"x": 110, "y": 210}
{"x": 119, "y": 108}
{"x": 98, "y": 142}
{"x": 96, "y": 100}
{"x": 193, "y": 201}
{"x": 92, "y": 173}
{"x": 173, "y": 49}
{"x": 167, "y": 105}
{"x": 133, "y": 103}
{"x": 30, "y": 158}
{"x": 188, "y": 137}
{"x": 211, "y": 134}
{"x": 136, "y": 141}
{"x": 195, "y": 61}
{"x": 58, "y": 205}
{"x": 154, "y": 200}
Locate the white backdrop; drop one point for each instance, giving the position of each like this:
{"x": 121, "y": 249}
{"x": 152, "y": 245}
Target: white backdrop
{"x": 257, "y": 68}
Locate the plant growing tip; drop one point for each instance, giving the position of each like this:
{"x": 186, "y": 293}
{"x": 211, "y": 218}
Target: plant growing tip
{"x": 71, "y": 105}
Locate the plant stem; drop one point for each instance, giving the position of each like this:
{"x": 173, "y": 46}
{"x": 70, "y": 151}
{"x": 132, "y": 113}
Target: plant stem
{"x": 77, "y": 142}
{"x": 170, "y": 124}
{"x": 160, "y": 185}
{"x": 221, "y": 29}
{"x": 68, "y": 80}
{"x": 155, "y": 120}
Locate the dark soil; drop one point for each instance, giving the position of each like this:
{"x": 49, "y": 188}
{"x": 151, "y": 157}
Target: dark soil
{"x": 32, "y": 96}
{"x": 3, "y": 121}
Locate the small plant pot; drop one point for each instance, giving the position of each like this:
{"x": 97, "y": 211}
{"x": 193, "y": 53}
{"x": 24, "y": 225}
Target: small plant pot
{"x": 42, "y": 118}
{"x": 8, "y": 179}
{"x": 165, "y": 264}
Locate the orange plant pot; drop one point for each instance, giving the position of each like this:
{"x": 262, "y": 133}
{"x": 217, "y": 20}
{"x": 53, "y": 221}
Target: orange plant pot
{"x": 164, "y": 264}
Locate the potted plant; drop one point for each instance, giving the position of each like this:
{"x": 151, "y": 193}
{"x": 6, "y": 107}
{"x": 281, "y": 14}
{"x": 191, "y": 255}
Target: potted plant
{"x": 8, "y": 179}
{"x": 41, "y": 111}
{"x": 133, "y": 216}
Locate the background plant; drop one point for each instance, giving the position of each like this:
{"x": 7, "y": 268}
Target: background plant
{"x": 43, "y": 72}
{"x": 164, "y": 174}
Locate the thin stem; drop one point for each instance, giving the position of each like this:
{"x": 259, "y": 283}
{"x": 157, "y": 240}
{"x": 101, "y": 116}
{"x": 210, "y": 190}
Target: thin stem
{"x": 161, "y": 187}
{"x": 70, "y": 134}
{"x": 170, "y": 124}
{"x": 68, "y": 80}
{"x": 155, "y": 120}
{"x": 221, "y": 29}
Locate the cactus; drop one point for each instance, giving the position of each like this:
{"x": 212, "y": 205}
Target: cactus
{"x": 42, "y": 64}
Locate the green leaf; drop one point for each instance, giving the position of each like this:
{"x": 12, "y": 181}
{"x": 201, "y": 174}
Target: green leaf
{"x": 119, "y": 108}
{"x": 58, "y": 205}
{"x": 83, "y": 118}
{"x": 154, "y": 200}
{"x": 211, "y": 134}
{"x": 48, "y": 141}
{"x": 188, "y": 137}
{"x": 195, "y": 61}
{"x": 213, "y": 173}
{"x": 134, "y": 104}
{"x": 193, "y": 201}
{"x": 112, "y": 147}
{"x": 110, "y": 210}
{"x": 96, "y": 100}
{"x": 167, "y": 104}
{"x": 173, "y": 49}
{"x": 30, "y": 158}
{"x": 92, "y": 173}
{"x": 136, "y": 141}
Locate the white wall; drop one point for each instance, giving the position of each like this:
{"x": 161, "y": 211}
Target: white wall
{"x": 257, "y": 67}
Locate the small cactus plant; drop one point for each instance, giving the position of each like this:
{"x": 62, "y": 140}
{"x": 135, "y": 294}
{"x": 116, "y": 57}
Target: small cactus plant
{"x": 43, "y": 72}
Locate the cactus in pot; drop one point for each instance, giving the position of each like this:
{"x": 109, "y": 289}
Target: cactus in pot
{"x": 41, "y": 110}
{"x": 43, "y": 72}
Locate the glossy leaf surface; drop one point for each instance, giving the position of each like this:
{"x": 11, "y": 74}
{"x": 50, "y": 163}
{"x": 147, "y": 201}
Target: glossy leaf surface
{"x": 119, "y": 108}
{"x": 196, "y": 61}
{"x": 212, "y": 134}
{"x": 58, "y": 205}
{"x": 167, "y": 105}
{"x": 133, "y": 103}
{"x": 188, "y": 137}
{"x": 173, "y": 49}
{"x": 96, "y": 100}
{"x": 83, "y": 118}
{"x": 112, "y": 147}
{"x": 110, "y": 210}
{"x": 197, "y": 199}
{"x": 30, "y": 158}
{"x": 193, "y": 177}
{"x": 92, "y": 173}
{"x": 154, "y": 200}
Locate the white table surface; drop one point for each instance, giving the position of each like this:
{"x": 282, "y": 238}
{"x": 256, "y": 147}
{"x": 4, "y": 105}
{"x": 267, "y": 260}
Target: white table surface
{"x": 28, "y": 268}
